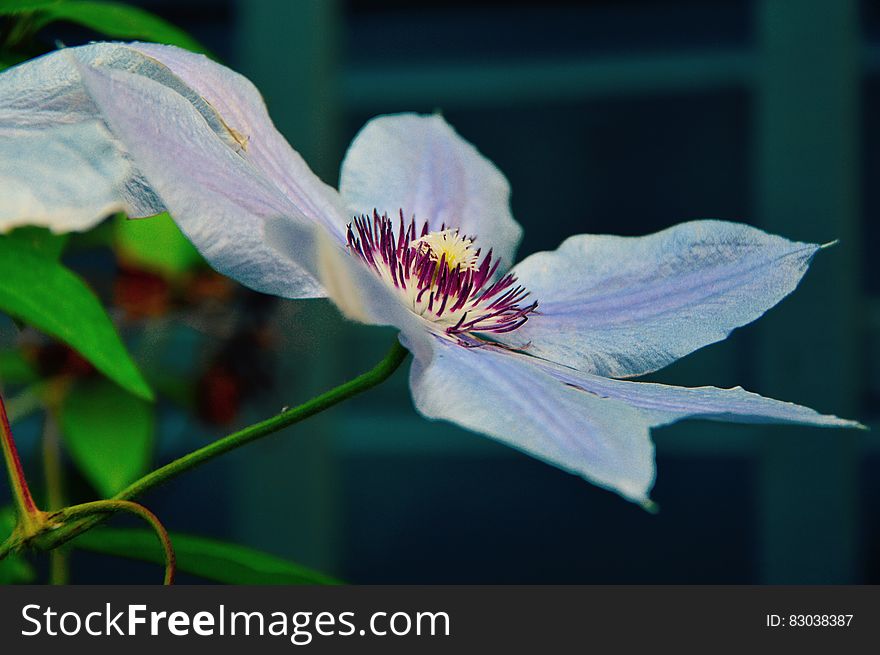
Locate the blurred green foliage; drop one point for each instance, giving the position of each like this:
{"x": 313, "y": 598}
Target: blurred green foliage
{"x": 206, "y": 558}
{"x": 40, "y": 240}
{"x": 112, "y": 19}
{"x": 108, "y": 433}
{"x": 108, "y": 430}
{"x": 14, "y": 569}
{"x": 156, "y": 245}
{"x": 37, "y": 289}
{"x": 16, "y": 369}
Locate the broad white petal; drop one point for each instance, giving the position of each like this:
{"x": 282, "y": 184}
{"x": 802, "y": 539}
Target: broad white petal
{"x": 215, "y": 194}
{"x": 67, "y": 161}
{"x": 625, "y": 306}
{"x": 515, "y": 400}
{"x": 66, "y": 181}
{"x": 420, "y": 165}
{"x": 240, "y": 104}
{"x": 664, "y": 404}
{"x": 60, "y": 167}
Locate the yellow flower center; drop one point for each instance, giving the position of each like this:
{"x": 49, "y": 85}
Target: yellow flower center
{"x": 449, "y": 246}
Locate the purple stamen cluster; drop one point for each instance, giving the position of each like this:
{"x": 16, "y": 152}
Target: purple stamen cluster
{"x": 465, "y": 299}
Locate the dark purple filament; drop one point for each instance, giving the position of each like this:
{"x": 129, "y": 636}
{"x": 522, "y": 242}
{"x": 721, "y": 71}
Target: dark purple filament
{"x": 466, "y": 298}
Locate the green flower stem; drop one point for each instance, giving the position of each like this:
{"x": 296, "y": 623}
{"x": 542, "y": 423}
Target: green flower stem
{"x": 30, "y": 518}
{"x": 59, "y": 565}
{"x": 378, "y": 374}
{"x": 107, "y": 507}
{"x": 52, "y": 469}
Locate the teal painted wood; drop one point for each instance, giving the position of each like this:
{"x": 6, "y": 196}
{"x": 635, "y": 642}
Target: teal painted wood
{"x": 289, "y": 50}
{"x": 572, "y": 79}
{"x": 806, "y": 156}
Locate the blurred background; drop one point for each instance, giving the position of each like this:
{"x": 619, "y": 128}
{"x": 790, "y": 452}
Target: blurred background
{"x": 623, "y": 117}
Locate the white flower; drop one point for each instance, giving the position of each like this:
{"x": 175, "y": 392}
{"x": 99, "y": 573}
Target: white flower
{"x": 532, "y": 356}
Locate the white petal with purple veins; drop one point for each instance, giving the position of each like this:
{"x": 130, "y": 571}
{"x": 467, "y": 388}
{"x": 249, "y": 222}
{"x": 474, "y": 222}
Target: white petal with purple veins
{"x": 664, "y": 404}
{"x": 240, "y": 104}
{"x": 625, "y": 306}
{"x": 218, "y": 198}
{"x": 420, "y": 165}
{"x": 509, "y": 398}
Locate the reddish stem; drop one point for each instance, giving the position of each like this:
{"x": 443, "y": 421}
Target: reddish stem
{"x": 110, "y": 506}
{"x": 20, "y": 488}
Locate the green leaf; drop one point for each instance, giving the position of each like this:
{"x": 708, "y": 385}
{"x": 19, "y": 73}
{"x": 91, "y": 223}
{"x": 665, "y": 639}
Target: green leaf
{"x": 109, "y": 434}
{"x": 43, "y": 293}
{"x": 14, "y": 569}
{"x": 40, "y": 240}
{"x": 206, "y": 558}
{"x": 155, "y": 244}
{"x": 15, "y": 369}
{"x": 119, "y": 21}
{"x": 9, "y": 7}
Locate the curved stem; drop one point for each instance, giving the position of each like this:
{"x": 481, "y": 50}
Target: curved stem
{"x": 102, "y": 507}
{"x": 378, "y": 374}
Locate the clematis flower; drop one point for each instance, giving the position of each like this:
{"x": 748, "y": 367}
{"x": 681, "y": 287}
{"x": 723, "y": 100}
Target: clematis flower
{"x": 419, "y": 236}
